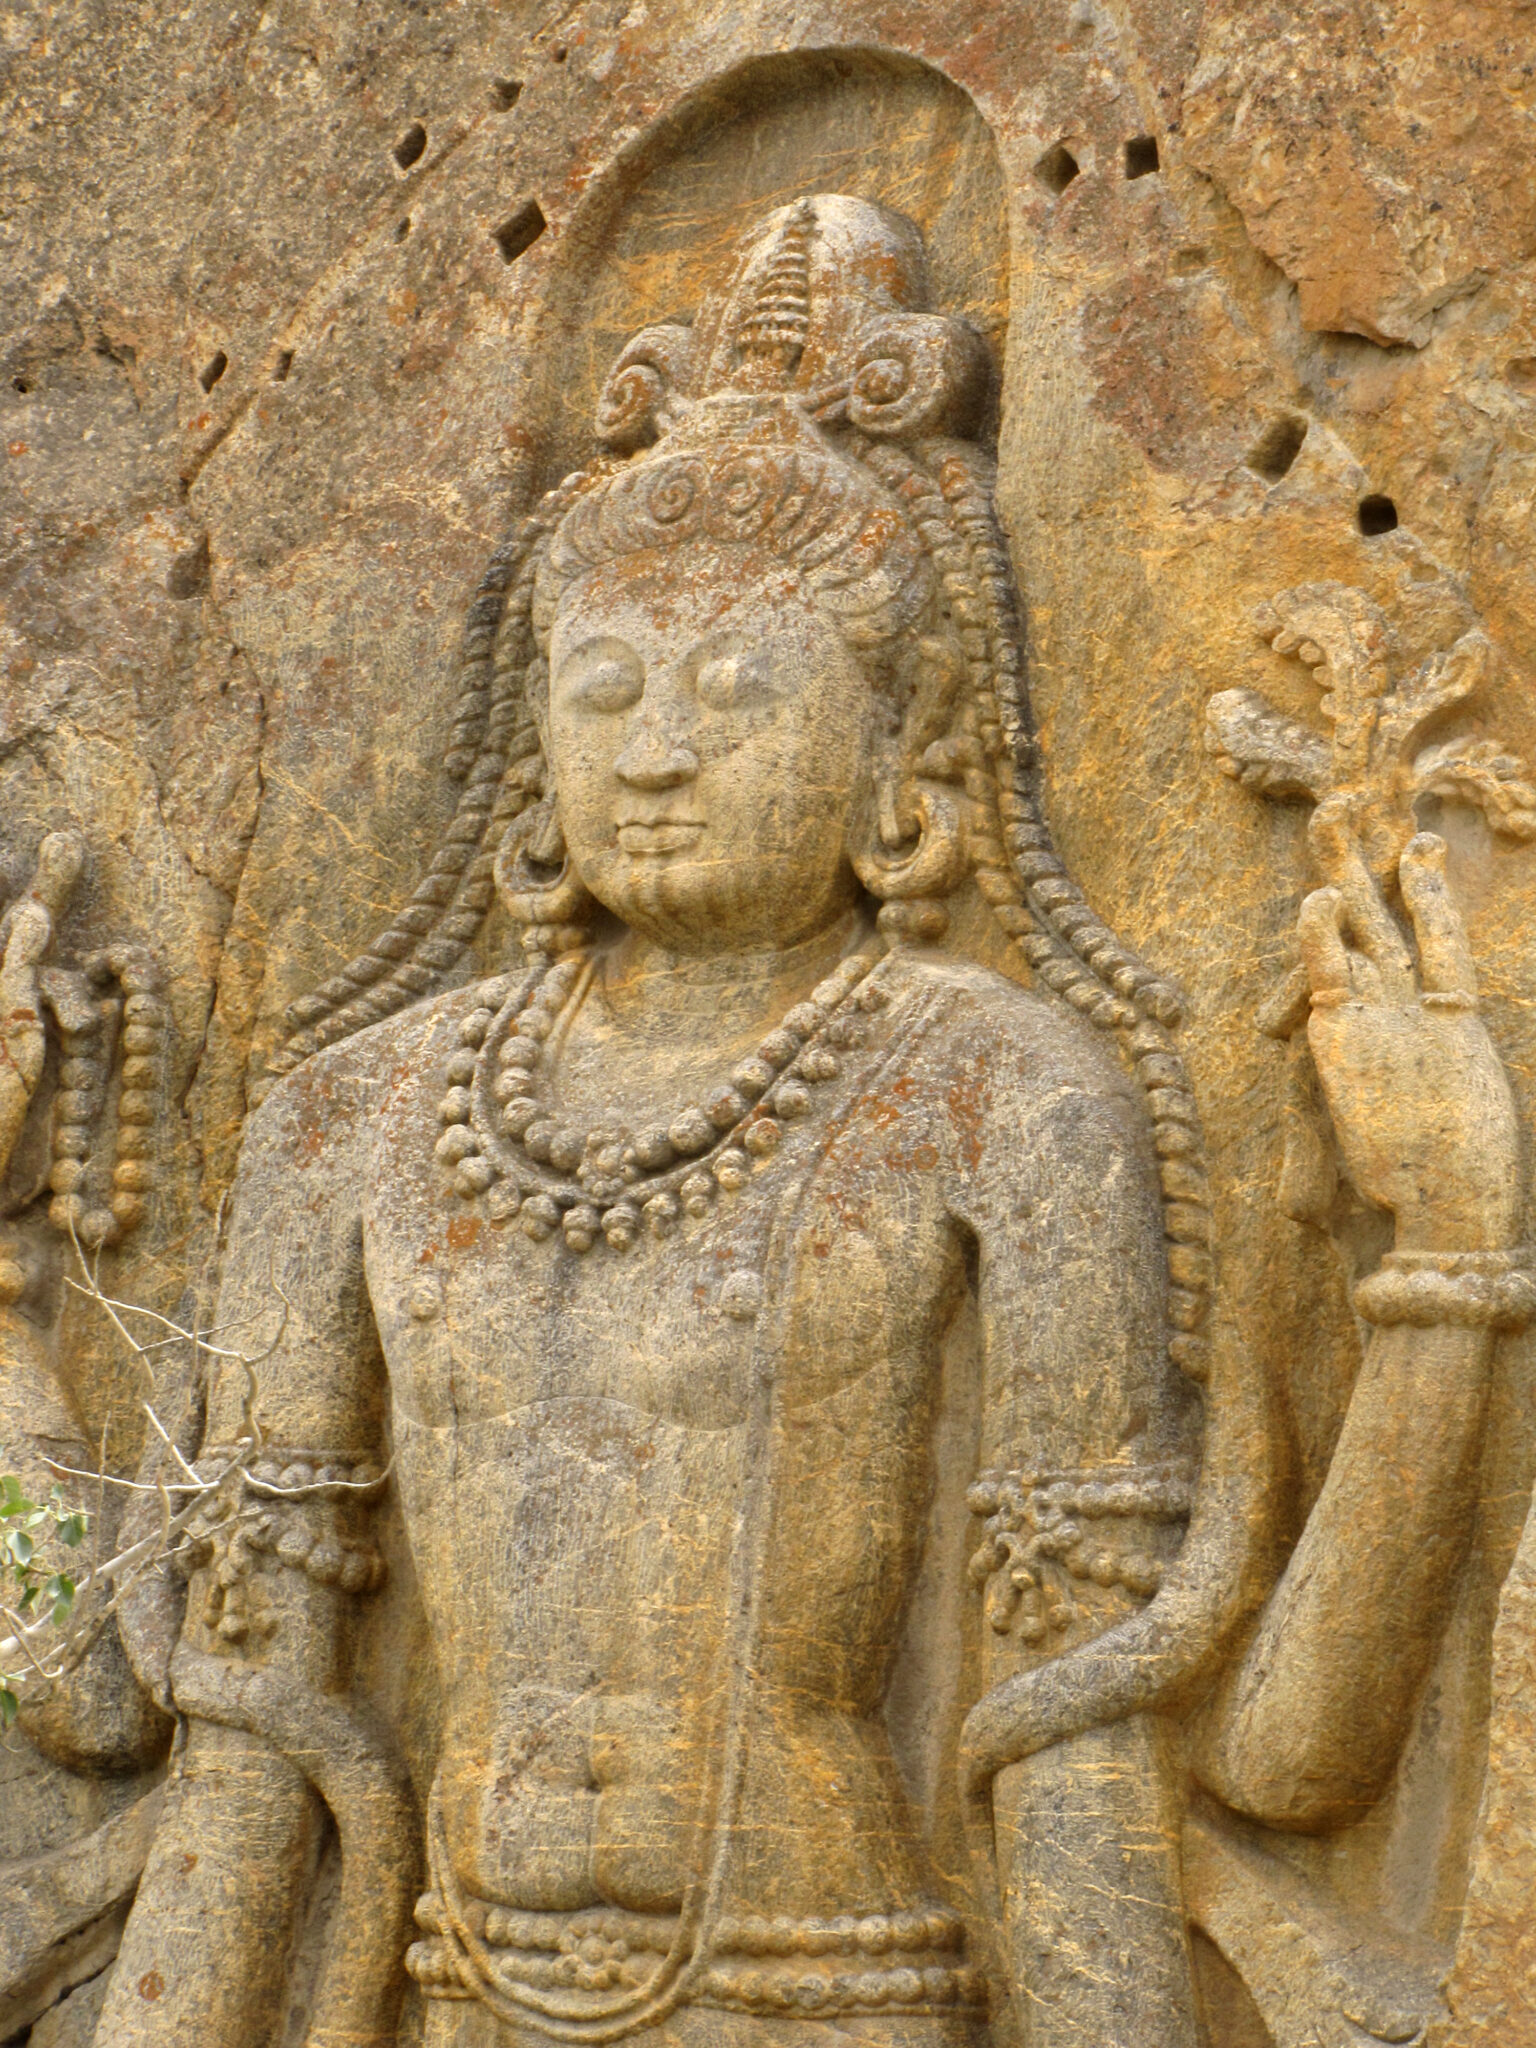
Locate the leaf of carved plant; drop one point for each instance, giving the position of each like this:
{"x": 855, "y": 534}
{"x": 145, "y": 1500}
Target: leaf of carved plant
{"x": 1264, "y": 750}
{"x": 1480, "y": 772}
{"x": 1332, "y": 627}
{"x": 1443, "y": 680}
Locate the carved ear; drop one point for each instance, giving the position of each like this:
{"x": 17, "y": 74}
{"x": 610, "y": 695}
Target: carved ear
{"x": 917, "y": 373}
{"x": 930, "y": 711}
{"x": 533, "y": 876}
{"x": 647, "y": 387}
{"x": 931, "y": 866}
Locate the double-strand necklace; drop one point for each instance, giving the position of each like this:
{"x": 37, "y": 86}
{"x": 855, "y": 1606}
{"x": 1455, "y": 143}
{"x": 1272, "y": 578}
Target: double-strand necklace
{"x": 506, "y": 1143}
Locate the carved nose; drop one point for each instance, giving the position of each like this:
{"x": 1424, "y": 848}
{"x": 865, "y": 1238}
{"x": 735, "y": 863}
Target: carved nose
{"x": 653, "y": 761}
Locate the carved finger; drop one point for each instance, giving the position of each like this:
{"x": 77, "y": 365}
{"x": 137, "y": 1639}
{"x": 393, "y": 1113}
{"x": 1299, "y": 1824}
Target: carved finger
{"x": 26, "y": 937}
{"x": 1324, "y": 955}
{"x": 1371, "y": 924}
{"x": 1369, "y": 982}
{"x": 1445, "y": 958}
{"x": 60, "y": 864}
{"x": 27, "y": 931}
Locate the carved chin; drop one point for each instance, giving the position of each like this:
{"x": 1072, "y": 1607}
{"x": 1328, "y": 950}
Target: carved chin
{"x": 664, "y": 889}
{"x": 685, "y": 895}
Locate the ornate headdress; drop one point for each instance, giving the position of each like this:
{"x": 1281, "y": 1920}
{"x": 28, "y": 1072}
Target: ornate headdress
{"x": 817, "y": 407}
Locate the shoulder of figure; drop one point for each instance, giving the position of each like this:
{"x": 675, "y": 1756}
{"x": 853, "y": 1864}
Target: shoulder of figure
{"x": 333, "y": 1099}
{"x": 980, "y": 1015}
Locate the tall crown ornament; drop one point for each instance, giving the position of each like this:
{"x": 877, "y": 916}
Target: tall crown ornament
{"x": 825, "y": 310}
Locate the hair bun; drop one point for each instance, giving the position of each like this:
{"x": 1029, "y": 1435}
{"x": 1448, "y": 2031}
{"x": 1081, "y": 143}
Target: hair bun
{"x": 916, "y": 374}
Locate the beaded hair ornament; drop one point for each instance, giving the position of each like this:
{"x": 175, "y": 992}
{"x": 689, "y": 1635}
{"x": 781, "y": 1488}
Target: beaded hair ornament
{"x": 817, "y": 408}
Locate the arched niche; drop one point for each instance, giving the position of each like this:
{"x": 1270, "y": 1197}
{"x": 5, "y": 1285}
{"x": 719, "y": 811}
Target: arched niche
{"x": 659, "y": 229}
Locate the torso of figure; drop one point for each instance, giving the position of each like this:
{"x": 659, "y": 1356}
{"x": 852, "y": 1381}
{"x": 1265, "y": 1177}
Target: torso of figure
{"x": 573, "y": 1434}
{"x": 625, "y": 1474}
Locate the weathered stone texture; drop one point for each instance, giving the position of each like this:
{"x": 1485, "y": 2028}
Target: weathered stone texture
{"x": 303, "y": 308}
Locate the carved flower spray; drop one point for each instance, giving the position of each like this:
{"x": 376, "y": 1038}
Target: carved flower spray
{"x": 1365, "y": 775}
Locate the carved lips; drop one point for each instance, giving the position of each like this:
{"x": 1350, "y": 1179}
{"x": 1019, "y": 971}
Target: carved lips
{"x": 665, "y": 835}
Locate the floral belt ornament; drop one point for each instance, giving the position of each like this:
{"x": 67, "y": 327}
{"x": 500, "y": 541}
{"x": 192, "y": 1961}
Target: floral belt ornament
{"x": 848, "y": 1963}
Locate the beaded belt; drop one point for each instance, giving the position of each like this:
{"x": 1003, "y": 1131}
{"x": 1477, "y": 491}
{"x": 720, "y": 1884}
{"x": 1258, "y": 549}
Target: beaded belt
{"x": 851, "y": 1963}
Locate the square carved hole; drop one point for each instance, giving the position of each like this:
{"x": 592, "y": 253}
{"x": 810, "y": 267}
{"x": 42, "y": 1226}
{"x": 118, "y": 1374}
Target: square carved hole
{"x": 188, "y": 573}
{"x": 1141, "y": 158}
{"x": 1277, "y": 447}
{"x": 213, "y": 369}
{"x": 505, "y": 93}
{"x": 1057, "y": 168}
{"x": 520, "y": 230}
{"x": 1375, "y": 514}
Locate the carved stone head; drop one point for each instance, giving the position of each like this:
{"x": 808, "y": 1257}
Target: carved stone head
{"x": 753, "y": 630}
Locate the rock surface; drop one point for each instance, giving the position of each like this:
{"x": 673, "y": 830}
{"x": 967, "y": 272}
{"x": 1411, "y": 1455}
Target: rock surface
{"x": 305, "y": 305}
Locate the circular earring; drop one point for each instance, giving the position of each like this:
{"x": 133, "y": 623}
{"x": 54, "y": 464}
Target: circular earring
{"x": 912, "y": 884}
{"x": 538, "y": 887}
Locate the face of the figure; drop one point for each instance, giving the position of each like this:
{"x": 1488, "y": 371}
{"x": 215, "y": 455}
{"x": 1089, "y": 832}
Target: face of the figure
{"x": 709, "y": 735}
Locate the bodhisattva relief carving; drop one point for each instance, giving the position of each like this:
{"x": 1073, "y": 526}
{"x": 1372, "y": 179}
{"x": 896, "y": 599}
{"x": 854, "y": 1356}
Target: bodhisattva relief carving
{"x": 82, "y": 1057}
{"x": 824, "y": 1144}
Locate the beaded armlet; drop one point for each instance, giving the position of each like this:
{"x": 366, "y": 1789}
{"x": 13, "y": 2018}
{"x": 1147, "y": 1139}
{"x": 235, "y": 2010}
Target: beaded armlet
{"x": 1469, "y": 1290}
{"x": 297, "y": 1510}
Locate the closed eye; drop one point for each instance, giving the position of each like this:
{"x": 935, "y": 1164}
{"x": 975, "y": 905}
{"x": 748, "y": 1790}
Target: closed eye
{"x": 736, "y": 677}
{"x": 605, "y": 676}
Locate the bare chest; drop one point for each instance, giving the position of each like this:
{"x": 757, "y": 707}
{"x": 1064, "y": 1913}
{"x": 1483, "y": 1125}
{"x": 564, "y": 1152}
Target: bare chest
{"x": 819, "y": 1270}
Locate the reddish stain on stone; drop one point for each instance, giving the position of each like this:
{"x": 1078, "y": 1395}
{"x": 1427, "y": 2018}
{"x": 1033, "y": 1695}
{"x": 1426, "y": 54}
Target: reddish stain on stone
{"x": 968, "y": 1098}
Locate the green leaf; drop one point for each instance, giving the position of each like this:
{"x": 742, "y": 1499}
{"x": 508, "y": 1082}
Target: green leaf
{"x": 20, "y": 1545}
{"x": 15, "y": 1501}
{"x": 28, "y": 1595}
{"x": 72, "y": 1530}
{"x": 60, "y": 1589}
{"x": 9, "y": 1706}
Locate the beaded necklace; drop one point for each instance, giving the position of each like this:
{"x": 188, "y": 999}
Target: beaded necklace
{"x": 505, "y": 1142}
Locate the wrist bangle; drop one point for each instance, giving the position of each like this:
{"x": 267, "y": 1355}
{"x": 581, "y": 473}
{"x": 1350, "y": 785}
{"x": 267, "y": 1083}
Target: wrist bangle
{"x": 1489, "y": 1290}
{"x": 1513, "y": 1259}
